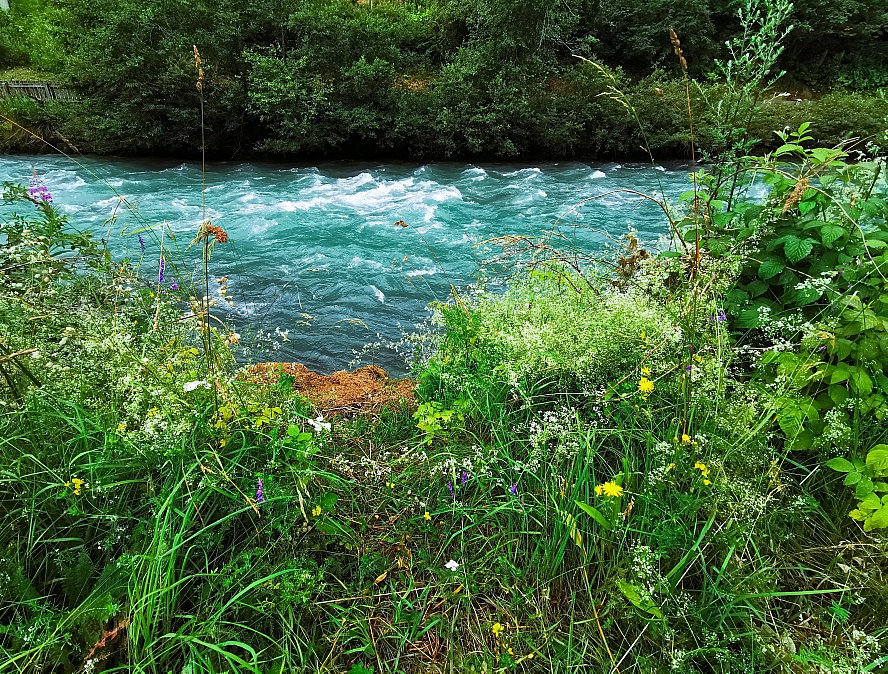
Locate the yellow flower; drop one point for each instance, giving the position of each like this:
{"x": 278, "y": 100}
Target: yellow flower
{"x": 316, "y": 511}
{"x": 707, "y": 482}
{"x": 704, "y": 471}
{"x": 511, "y": 652}
{"x": 645, "y": 385}
{"x": 77, "y": 484}
{"x": 496, "y": 629}
{"x": 685, "y": 438}
{"x": 427, "y": 516}
{"x": 670, "y": 466}
{"x": 121, "y": 427}
{"x": 646, "y": 371}
{"x": 612, "y": 489}
{"x": 643, "y": 335}
{"x": 599, "y": 490}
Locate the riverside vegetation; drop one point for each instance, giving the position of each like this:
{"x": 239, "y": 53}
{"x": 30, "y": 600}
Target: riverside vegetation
{"x": 629, "y": 462}
{"x": 432, "y": 79}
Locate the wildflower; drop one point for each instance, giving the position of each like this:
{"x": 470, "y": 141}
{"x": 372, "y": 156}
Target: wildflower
{"x": 174, "y": 286}
{"x": 192, "y": 385}
{"x": 316, "y": 511}
{"x": 38, "y": 191}
{"x": 160, "y": 272}
{"x": 450, "y": 488}
{"x": 260, "y": 494}
{"x": 645, "y": 385}
{"x": 707, "y": 482}
{"x": 704, "y": 471}
{"x": 464, "y": 477}
{"x": 514, "y": 489}
{"x": 670, "y": 466}
{"x": 497, "y": 629}
{"x": 452, "y": 565}
{"x": 141, "y": 243}
{"x": 612, "y": 489}
{"x": 121, "y": 427}
{"x": 688, "y": 368}
{"x": 685, "y": 438}
{"x": 77, "y": 484}
{"x": 427, "y": 517}
{"x": 646, "y": 371}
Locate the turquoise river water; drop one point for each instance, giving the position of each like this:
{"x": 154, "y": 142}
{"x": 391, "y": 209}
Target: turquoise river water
{"x": 316, "y": 265}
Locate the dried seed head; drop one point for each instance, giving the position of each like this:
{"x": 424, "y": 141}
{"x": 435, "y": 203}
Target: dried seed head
{"x": 676, "y": 43}
{"x": 796, "y": 195}
{"x": 199, "y": 66}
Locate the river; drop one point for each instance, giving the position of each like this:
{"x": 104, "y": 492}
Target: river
{"x": 316, "y": 265}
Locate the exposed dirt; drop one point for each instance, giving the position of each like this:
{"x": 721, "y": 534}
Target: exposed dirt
{"x": 365, "y": 390}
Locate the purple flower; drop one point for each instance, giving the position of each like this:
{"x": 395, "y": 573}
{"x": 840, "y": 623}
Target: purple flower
{"x": 160, "y": 273}
{"x": 722, "y": 316}
{"x": 141, "y": 243}
{"x": 174, "y": 285}
{"x": 38, "y": 191}
{"x": 822, "y": 347}
{"x": 687, "y": 368}
{"x": 464, "y": 477}
{"x": 260, "y": 494}
{"x": 450, "y": 488}
{"x": 514, "y": 488}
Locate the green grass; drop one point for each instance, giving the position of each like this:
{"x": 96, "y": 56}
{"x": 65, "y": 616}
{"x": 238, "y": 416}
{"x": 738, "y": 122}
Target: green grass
{"x": 595, "y": 524}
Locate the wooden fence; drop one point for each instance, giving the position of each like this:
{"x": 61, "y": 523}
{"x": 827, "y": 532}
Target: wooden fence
{"x": 40, "y": 91}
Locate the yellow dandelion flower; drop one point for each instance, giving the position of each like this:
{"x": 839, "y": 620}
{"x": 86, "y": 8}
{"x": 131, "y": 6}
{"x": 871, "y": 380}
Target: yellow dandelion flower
{"x": 707, "y": 482}
{"x": 670, "y": 466}
{"x": 599, "y": 490}
{"x": 645, "y": 385}
{"x": 612, "y": 489}
{"x": 497, "y": 629}
{"x": 685, "y": 438}
{"x": 646, "y": 371}
{"x": 427, "y": 516}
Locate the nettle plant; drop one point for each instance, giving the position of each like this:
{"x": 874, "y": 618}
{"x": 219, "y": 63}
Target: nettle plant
{"x": 811, "y": 302}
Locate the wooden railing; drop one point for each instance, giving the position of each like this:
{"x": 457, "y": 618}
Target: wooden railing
{"x": 40, "y": 91}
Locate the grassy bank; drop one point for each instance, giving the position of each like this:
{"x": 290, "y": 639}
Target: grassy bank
{"x": 648, "y": 461}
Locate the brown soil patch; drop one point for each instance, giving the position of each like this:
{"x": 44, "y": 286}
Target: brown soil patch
{"x": 365, "y": 390}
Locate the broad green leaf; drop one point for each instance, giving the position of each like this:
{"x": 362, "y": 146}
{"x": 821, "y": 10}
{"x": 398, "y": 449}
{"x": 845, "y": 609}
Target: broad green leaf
{"x": 788, "y": 148}
{"x": 807, "y": 205}
{"x": 797, "y": 249}
{"x": 861, "y": 384}
{"x": 870, "y": 502}
{"x": 877, "y": 458}
{"x": 878, "y": 520}
{"x": 838, "y": 394}
{"x": 633, "y": 594}
{"x": 769, "y": 269}
{"x": 864, "y": 488}
{"x": 595, "y": 514}
{"x": 852, "y": 478}
{"x": 829, "y": 234}
{"x": 840, "y": 464}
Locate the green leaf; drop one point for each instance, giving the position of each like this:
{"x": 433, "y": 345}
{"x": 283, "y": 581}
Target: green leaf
{"x": 870, "y": 502}
{"x": 840, "y": 464}
{"x": 838, "y": 394}
{"x": 861, "y": 384}
{"x": 807, "y": 205}
{"x": 633, "y": 594}
{"x": 829, "y": 234}
{"x": 595, "y": 514}
{"x": 877, "y": 458}
{"x": 879, "y": 520}
{"x": 852, "y": 478}
{"x": 769, "y": 269}
{"x": 864, "y": 488}
{"x": 797, "y": 249}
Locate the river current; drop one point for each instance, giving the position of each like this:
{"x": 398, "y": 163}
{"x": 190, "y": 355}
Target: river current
{"x": 324, "y": 259}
